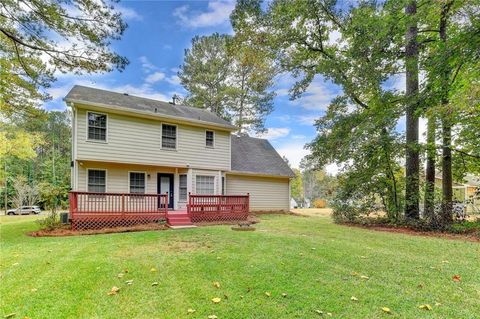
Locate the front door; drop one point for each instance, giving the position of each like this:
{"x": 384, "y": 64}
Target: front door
{"x": 165, "y": 184}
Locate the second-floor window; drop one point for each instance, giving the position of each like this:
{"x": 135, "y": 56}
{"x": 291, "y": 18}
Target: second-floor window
{"x": 97, "y": 126}
{"x": 137, "y": 183}
{"x": 209, "y": 138}
{"x": 183, "y": 188}
{"x": 169, "y": 136}
{"x": 97, "y": 181}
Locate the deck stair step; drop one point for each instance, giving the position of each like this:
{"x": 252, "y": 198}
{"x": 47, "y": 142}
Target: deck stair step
{"x": 181, "y": 218}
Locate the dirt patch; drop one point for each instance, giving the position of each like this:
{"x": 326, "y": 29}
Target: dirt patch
{"x": 67, "y": 231}
{"x": 414, "y": 232}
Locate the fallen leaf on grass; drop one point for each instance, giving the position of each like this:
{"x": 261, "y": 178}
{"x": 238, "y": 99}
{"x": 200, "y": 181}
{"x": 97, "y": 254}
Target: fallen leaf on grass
{"x": 364, "y": 277}
{"x": 212, "y": 317}
{"x": 445, "y": 261}
{"x": 425, "y": 307}
{"x": 216, "y": 300}
{"x": 268, "y": 294}
{"x": 129, "y": 282}
{"x": 284, "y": 295}
{"x": 354, "y": 273}
{"x": 10, "y": 315}
{"x": 216, "y": 284}
{"x": 113, "y": 291}
{"x": 437, "y": 304}
{"x": 319, "y": 312}
{"x": 120, "y": 275}
{"x": 190, "y": 310}
{"x": 386, "y": 310}
{"x": 153, "y": 269}
{"x": 456, "y": 278}
{"x": 353, "y": 298}
{"x": 154, "y": 283}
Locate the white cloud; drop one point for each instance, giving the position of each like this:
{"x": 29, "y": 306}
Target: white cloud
{"x": 129, "y": 13}
{"x": 317, "y": 96}
{"x": 147, "y": 66}
{"x": 307, "y": 119}
{"x": 274, "y": 133}
{"x": 218, "y": 13}
{"x": 155, "y": 77}
{"x": 294, "y": 152}
{"x": 174, "y": 80}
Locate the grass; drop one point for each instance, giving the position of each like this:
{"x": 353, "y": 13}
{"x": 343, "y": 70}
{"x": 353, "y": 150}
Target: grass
{"x": 317, "y": 263}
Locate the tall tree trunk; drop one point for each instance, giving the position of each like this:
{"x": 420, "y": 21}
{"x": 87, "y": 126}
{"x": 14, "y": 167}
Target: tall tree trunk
{"x": 447, "y": 180}
{"x": 430, "y": 171}
{"x": 412, "y": 149}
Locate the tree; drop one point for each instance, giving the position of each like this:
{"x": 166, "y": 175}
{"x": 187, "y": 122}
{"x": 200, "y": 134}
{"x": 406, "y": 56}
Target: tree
{"x": 296, "y": 187}
{"x": 17, "y": 145}
{"x": 412, "y": 164}
{"x": 204, "y": 73}
{"x": 230, "y": 78}
{"x": 39, "y": 38}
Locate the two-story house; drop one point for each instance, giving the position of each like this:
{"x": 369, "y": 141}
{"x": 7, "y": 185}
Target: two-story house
{"x": 128, "y": 144}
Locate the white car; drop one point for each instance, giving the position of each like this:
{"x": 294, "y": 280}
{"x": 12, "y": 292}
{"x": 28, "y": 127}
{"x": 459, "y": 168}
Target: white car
{"x": 24, "y": 210}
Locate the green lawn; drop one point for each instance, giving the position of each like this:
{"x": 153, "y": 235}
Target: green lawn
{"x": 316, "y": 263}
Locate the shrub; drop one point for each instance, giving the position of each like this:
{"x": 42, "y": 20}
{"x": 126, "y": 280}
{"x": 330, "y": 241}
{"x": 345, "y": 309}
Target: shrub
{"x": 319, "y": 203}
{"x": 51, "y": 222}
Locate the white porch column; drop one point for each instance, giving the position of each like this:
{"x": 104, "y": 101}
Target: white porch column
{"x": 189, "y": 181}
{"x": 219, "y": 190}
{"x": 176, "y": 189}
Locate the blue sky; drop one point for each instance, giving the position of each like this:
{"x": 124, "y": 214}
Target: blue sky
{"x": 158, "y": 34}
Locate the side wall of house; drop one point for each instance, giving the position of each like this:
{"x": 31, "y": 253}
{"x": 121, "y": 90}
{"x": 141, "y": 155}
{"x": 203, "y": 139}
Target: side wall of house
{"x": 266, "y": 193}
{"x": 138, "y": 140}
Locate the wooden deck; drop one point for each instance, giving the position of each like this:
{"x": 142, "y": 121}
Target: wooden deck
{"x": 99, "y": 210}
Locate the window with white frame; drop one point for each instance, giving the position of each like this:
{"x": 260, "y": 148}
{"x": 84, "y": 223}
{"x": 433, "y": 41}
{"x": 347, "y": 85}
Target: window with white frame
{"x": 183, "y": 188}
{"x": 97, "y": 126}
{"x": 209, "y": 138}
{"x": 169, "y": 136}
{"x": 137, "y": 183}
{"x": 205, "y": 185}
{"x": 97, "y": 181}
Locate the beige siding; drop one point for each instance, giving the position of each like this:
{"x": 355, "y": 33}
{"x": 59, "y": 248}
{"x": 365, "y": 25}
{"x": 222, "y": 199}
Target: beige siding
{"x": 138, "y": 140}
{"x": 265, "y": 193}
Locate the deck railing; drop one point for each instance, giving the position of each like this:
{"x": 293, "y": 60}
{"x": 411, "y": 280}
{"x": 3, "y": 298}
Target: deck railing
{"x": 94, "y": 210}
{"x": 218, "y": 207}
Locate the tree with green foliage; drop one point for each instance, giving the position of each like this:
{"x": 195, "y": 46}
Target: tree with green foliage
{"x": 230, "y": 78}
{"x": 41, "y": 37}
{"x": 204, "y": 73}
{"x": 296, "y": 187}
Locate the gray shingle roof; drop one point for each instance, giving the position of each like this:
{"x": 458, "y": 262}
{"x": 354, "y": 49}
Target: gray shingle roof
{"x": 88, "y": 95}
{"x": 256, "y": 155}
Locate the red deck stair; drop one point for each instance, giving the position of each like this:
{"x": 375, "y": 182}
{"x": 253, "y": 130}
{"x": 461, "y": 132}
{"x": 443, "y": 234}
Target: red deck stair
{"x": 179, "y": 218}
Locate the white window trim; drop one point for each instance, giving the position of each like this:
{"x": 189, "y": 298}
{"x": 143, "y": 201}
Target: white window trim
{"x": 106, "y": 132}
{"x": 206, "y": 175}
{"x": 97, "y": 169}
{"x": 144, "y": 181}
{"x": 186, "y": 187}
{"x": 214, "y": 139}
{"x": 176, "y": 137}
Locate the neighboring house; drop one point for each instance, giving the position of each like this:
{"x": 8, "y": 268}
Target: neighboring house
{"x": 127, "y": 144}
{"x": 467, "y": 191}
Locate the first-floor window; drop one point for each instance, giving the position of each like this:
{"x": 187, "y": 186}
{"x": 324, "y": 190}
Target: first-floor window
{"x": 205, "y": 185}
{"x": 183, "y": 188}
{"x": 137, "y": 183}
{"x": 97, "y": 181}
